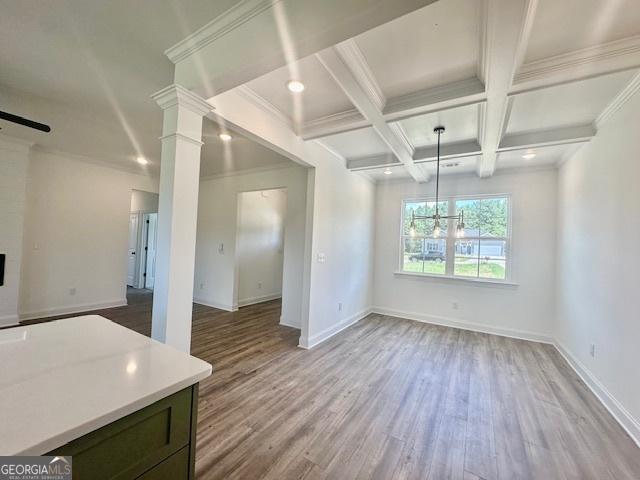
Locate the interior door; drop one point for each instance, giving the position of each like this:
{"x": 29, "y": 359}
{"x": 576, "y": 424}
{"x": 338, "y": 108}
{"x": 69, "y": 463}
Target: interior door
{"x": 152, "y": 237}
{"x": 133, "y": 246}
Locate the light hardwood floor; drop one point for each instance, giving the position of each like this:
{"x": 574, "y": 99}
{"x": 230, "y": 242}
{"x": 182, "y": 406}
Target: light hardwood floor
{"x": 390, "y": 399}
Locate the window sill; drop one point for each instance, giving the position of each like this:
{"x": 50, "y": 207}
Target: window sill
{"x": 449, "y": 278}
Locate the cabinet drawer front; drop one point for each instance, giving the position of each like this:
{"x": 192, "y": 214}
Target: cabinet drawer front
{"x": 176, "y": 467}
{"x": 132, "y": 445}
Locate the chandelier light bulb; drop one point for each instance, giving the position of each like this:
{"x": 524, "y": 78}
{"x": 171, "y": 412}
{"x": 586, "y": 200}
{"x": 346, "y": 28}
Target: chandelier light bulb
{"x": 436, "y": 229}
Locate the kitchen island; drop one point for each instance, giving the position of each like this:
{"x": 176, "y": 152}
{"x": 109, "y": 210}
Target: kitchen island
{"x": 121, "y": 404}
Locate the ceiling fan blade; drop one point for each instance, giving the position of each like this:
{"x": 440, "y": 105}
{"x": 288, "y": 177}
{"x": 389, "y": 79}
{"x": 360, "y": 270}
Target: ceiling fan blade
{"x": 24, "y": 121}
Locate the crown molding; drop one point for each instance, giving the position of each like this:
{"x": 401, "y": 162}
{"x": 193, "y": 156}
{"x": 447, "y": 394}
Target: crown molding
{"x": 592, "y": 61}
{"x": 39, "y": 149}
{"x": 340, "y": 122}
{"x": 443, "y": 97}
{"x": 175, "y": 94}
{"x": 619, "y": 100}
{"x": 249, "y": 171}
{"x": 264, "y": 104}
{"x": 354, "y": 58}
{"x": 237, "y": 15}
{"x": 333, "y": 152}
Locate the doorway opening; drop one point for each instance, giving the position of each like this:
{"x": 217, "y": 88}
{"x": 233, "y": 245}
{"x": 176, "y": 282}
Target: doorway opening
{"x": 260, "y": 245}
{"x": 143, "y": 235}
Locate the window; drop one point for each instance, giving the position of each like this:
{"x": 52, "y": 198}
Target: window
{"x": 481, "y": 253}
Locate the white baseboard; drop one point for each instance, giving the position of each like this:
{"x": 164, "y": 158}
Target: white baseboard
{"x": 66, "y": 310}
{"x": 615, "y": 408}
{"x": 308, "y": 343}
{"x": 284, "y": 323}
{"x": 9, "y": 320}
{"x": 219, "y": 306}
{"x": 262, "y": 298}
{"x": 464, "y": 325}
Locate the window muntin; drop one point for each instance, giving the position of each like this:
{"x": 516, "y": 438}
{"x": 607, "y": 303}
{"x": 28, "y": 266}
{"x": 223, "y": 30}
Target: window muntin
{"x": 422, "y": 253}
{"x": 482, "y": 253}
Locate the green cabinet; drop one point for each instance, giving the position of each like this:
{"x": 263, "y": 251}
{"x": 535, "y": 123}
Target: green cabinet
{"x": 155, "y": 442}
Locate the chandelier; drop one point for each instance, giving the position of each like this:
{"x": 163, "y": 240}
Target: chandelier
{"x": 437, "y": 217}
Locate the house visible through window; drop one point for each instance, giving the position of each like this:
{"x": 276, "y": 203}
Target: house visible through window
{"x": 481, "y": 253}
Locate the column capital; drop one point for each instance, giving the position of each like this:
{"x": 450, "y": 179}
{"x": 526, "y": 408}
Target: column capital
{"x": 178, "y": 95}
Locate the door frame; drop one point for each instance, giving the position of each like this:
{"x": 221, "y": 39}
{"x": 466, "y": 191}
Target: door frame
{"x": 144, "y": 247}
{"x": 136, "y": 267}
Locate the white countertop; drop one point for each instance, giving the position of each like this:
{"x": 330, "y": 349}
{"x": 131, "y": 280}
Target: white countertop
{"x": 63, "y": 379}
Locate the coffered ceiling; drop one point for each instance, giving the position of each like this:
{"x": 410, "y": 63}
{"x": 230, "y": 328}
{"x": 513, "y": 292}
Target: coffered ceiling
{"x": 506, "y": 79}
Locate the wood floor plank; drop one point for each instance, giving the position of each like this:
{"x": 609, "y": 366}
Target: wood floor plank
{"x": 389, "y": 399}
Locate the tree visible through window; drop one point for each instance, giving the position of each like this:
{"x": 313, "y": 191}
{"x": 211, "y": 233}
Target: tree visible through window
{"x": 481, "y": 253}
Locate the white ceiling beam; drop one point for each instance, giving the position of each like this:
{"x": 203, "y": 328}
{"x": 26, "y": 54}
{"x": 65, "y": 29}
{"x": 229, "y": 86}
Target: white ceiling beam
{"x": 546, "y": 138}
{"x": 456, "y": 94}
{"x": 448, "y": 151}
{"x": 217, "y": 57}
{"x": 505, "y": 34}
{"x": 372, "y": 161}
{"x": 337, "y": 62}
{"x": 579, "y": 65}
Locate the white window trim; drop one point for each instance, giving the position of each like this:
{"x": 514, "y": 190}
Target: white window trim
{"x": 451, "y": 199}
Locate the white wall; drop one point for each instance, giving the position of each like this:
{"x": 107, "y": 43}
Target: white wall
{"x": 145, "y": 202}
{"x": 260, "y": 245}
{"x": 339, "y": 217}
{"x": 598, "y": 262}
{"x": 343, "y": 232}
{"x": 215, "y": 274}
{"x": 526, "y": 309}
{"x": 14, "y": 160}
{"x": 76, "y": 234}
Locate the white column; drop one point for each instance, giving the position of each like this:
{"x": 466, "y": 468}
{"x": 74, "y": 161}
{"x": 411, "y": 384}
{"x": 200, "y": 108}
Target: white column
{"x": 177, "y": 214}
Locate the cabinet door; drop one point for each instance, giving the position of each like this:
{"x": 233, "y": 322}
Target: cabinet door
{"x": 176, "y": 467}
{"x": 128, "y": 447}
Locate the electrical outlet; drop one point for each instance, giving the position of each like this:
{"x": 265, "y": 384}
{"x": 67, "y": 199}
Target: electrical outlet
{"x": 72, "y": 291}
{"x": 221, "y": 249}
{"x": 201, "y": 286}
{"x": 259, "y": 284}
{"x": 321, "y": 258}
{"x": 454, "y": 305}
{"x": 340, "y": 306}
{"x": 592, "y": 350}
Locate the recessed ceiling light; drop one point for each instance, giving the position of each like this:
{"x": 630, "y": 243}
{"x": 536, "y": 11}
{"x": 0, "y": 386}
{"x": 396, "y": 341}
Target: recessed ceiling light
{"x": 387, "y": 171}
{"x": 225, "y": 137}
{"x": 142, "y": 161}
{"x": 529, "y": 155}
{"x": 295, "y": 86}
